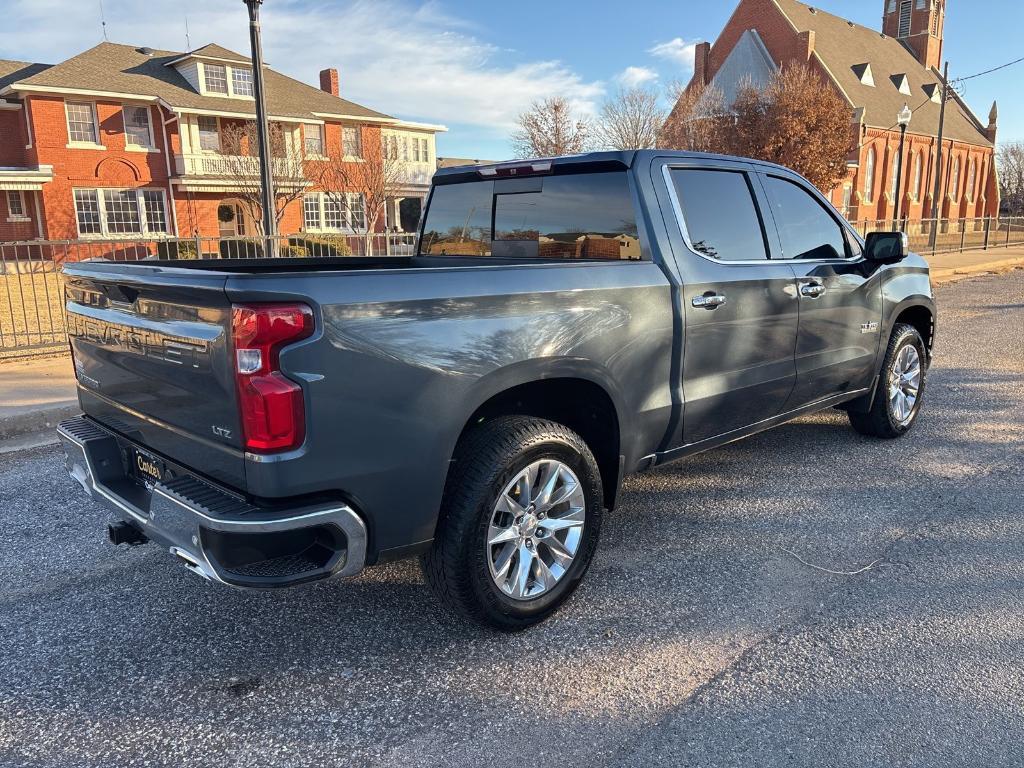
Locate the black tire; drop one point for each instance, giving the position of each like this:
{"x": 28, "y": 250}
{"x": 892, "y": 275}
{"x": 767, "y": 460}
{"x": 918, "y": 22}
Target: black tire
{"x": 487, "y": 458}
{"x": 881, "y": 421}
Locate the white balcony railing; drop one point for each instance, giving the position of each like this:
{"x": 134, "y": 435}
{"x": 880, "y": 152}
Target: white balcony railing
{"x": 232, "y": 166}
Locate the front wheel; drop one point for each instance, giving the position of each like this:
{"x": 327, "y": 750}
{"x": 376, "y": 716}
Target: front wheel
{"x": 519, "y": 522}
{"x": 900, "y": 389}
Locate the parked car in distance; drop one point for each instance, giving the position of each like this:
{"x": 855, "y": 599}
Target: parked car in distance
{"x": 562, "y": 323}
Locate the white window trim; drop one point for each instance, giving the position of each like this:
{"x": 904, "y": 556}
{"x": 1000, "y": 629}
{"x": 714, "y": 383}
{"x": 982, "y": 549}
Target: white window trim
{"x": 24, "y": 207}
{"x": 139, "y": 201}
{"x": 229, "y": 77}
{"x": 321, "y": 155}
{"x": 72, "y": 144}
{"x": 151, "y": 147}
{"x": 321, "y": 198}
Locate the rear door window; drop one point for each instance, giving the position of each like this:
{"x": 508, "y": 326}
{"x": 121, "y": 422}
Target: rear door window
{"x": 579, "y": 216}
{"x": 806, "y": 229}
{"x": 721, "y": 217}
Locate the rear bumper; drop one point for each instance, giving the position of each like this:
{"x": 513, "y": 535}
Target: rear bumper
{"x": 217, "y": 535}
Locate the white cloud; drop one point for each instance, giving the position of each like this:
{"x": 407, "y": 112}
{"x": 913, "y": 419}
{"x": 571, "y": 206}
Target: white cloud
{"x": 397, "y": 56}
{"x": 677, "y": 51}
{"x": 632, "y": 77}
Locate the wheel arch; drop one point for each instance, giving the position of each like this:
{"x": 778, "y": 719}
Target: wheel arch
{"x": 580, "y": 399}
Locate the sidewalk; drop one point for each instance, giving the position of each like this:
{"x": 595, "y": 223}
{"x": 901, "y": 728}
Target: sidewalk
{"x": 34, "y": 396}
{"x": 953, "y": 266}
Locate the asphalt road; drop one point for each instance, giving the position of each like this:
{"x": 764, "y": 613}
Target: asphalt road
{"x": 698, "y": 638}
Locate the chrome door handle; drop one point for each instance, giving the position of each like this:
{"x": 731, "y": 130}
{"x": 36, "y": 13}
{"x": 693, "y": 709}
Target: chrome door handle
{"x": 813, "y": 290}
{"x": 708, "y": 300}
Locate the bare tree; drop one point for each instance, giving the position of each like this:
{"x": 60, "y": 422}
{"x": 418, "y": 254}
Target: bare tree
{"x": 798, "y": 120}
{"x": 699, "y": 121}
{"x": 631, "y": 120}
{"x": 548, "y": 129}
{"x": 379, "y": 177}
{"x": 239, "y": 162}
{"x": 1010, "y": 170}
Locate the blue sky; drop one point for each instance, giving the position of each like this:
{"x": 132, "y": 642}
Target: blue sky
{"x": 473, "y": 65}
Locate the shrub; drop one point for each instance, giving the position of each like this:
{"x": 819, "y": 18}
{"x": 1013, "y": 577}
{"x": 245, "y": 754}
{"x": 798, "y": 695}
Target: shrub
{"x": 176, "y": 249}
{"x": 324, "y": 245}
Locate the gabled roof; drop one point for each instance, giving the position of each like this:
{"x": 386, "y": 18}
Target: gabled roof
{"x": 13, "y": 71}
{"x": 841, "y": 45}
{"x": 124, "y": 69}
{"x": 214, "y": 51}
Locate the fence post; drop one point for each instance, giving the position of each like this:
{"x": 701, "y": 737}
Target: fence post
{"x": 199, "y": 246}
{"x": 1009, "y": 226}
{"x": 988, "y": 228}
{"x": 963, "y": 233}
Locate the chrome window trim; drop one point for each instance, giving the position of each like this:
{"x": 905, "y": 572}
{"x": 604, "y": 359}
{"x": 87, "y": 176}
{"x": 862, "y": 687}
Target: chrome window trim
{"x": 677, "y": 211}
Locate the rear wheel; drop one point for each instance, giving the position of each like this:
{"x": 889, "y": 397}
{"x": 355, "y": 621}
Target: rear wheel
{"x": 900, "y": 388}
{"x": 519, "y": 522}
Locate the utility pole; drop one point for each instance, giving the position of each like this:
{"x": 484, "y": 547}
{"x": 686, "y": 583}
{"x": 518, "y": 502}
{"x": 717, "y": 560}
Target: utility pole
{"x": 937, "y": 190}
{"x": 268, "y": 200}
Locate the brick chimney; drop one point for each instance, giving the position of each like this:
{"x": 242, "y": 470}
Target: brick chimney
{"x": 701, "y": 63}
{"x": 329, "y": 81}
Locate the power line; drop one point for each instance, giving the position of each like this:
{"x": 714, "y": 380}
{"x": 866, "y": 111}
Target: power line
{"x": 990, "y": 71}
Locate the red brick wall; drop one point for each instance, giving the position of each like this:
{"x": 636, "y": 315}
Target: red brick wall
{"x": 13, "y": 138}
{"x": 113, "y": 166}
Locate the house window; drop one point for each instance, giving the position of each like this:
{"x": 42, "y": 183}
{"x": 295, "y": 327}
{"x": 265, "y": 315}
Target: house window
{"x": 424, "y": 151}
{"x": 351, "y": 142}
{"x": 918, "y": 174}
{"x": 337, "y": 211}
{"x": 954, "y": 181}
{"x": 906, "y": 8}
{"x": 416, "y": 150}
{"x": 314, "y": 136}
{"x": 405, "y": 148}
{"x": 118, "y": 212}
{"x": 16, "y": 210}
{"x": 137, "y": 131}
{"x": 82, "y": 123}
{"x": 216, "y": 78}
{"x": 972, "y": 178}
{"x": 209, "y": 135}
{"x": 241, "y": 81}
{"x": 869, "y": 175}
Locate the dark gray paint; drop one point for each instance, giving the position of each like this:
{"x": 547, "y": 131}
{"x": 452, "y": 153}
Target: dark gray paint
{"x": 403, "y": 357}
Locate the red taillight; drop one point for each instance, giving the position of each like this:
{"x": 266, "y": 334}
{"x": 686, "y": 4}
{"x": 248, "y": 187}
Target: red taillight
{"x": 273, "y": 416}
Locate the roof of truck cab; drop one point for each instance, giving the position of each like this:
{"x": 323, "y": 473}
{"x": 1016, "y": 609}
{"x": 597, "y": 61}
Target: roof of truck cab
{"x": 625, "y": 158}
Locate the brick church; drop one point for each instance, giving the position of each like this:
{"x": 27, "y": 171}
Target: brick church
{"x": 876, "y": 73}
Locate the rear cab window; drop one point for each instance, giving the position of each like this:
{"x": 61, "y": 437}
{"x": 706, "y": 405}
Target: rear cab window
{"x": 573, "y": 216}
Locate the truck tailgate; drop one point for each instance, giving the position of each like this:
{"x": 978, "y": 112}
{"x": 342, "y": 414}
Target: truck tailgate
{"x": 152, "y": 353}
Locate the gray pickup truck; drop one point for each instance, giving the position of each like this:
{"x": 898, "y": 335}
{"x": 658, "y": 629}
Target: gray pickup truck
{"x": 563, "y": 322}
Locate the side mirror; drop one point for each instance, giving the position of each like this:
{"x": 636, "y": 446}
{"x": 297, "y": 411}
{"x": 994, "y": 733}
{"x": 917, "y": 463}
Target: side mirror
{"x": 886, "y": 246}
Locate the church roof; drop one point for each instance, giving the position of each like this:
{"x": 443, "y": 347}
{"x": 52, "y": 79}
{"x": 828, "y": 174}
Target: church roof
{"x": 844, "y": 48}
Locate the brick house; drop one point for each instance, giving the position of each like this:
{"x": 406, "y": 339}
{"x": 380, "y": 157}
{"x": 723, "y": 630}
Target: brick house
{"x": 122, "y": 142}
{"x": 876, "y": 73}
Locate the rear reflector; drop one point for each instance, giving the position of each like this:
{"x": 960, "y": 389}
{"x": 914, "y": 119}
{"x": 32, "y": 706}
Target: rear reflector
{"x": 273, "y": 415}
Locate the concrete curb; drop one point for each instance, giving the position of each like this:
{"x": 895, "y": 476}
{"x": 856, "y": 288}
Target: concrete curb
{"x": 953, "y": 273}
{"x": 37, "y": 420}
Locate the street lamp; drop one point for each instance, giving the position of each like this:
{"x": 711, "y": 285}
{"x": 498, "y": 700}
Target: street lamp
{"x": 903, "y": 120}
{"x": 262, "y": 129}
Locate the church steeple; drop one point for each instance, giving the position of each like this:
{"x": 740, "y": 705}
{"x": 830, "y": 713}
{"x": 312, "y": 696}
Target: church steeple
{"x": 919, "y": 25}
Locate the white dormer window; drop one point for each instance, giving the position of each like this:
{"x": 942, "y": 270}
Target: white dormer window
{"x": 241, "y": 81}
{"x": 863, "y": 73}
{"x": 902, "y": 83}
{"x": 215, "y": 77}
{"x": 138, "y": 131}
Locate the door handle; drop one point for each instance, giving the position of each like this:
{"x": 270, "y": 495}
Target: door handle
{"x": 708, "y": 300}
{"x": 812, "y": 290}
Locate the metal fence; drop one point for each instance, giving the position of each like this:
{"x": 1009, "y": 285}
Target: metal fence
{"x": 931, "y": 236}
{"x": 32, "y": 297}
